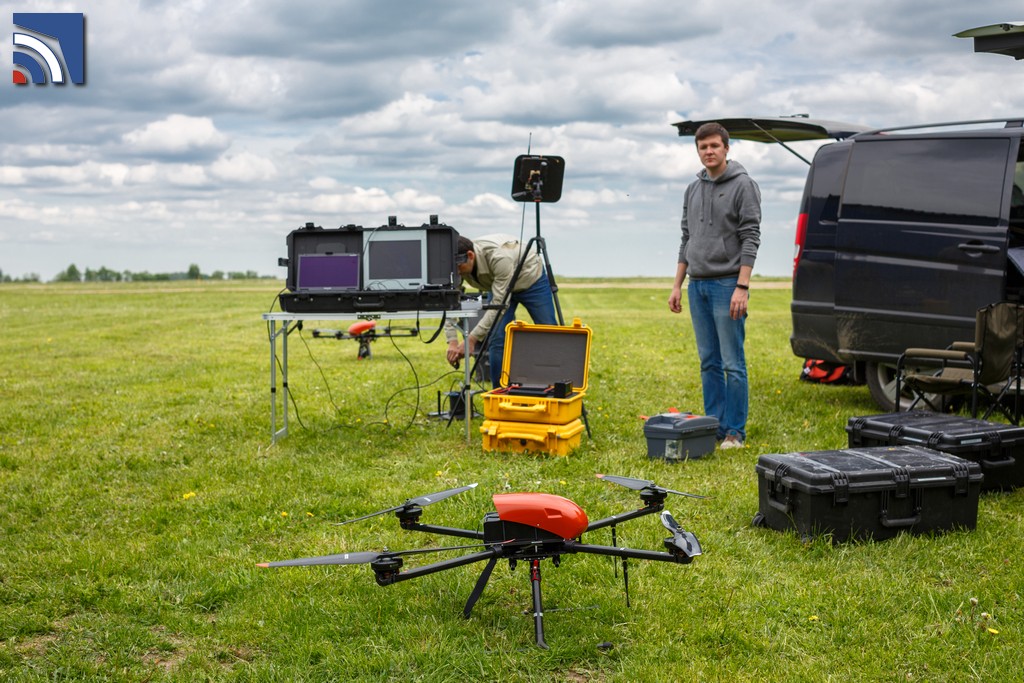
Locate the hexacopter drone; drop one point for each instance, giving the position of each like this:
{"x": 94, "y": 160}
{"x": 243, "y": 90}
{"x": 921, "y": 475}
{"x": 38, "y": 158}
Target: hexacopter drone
{"x": 524, "y": 526}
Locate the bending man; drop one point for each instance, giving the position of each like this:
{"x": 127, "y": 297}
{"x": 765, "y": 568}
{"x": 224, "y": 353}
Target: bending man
{"x": 488, "y": 264}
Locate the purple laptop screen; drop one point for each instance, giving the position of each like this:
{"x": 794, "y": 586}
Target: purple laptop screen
{"x": 325, "y": 272}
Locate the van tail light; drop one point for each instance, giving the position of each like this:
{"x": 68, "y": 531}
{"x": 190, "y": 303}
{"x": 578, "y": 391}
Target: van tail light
{"x": 801, "y": 236}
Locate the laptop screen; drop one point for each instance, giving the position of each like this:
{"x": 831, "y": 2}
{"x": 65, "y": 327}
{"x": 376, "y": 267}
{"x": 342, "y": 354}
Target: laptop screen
{"x": 328, "y": 272}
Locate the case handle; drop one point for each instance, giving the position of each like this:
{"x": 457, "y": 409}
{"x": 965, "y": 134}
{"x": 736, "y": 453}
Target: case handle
{"x": 515, "y": 436}
{"x": 783, "y": 507}
{"x": 998, "y": 464}
{"x": 899, "y": 521}
{"x": 539, "y": 438}
{"x": 516, "y": 408}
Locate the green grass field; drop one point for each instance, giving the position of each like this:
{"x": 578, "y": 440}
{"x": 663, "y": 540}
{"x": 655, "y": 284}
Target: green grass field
{"x": 140, "y": 488}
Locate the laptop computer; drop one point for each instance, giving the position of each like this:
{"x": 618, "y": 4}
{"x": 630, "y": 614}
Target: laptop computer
{"x": 327, "y": 273}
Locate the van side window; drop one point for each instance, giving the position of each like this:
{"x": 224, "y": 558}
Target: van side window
{"x": 929, "y": 181}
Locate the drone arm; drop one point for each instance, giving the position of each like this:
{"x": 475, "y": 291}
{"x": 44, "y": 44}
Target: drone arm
{"x": 388, "y": 578}
{"x": 443, "y": 530}
{"x": 624, "y": 517}
{"x": 627, "y": 553}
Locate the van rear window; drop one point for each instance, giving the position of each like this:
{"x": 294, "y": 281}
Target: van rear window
{"x": 931, "y": 181}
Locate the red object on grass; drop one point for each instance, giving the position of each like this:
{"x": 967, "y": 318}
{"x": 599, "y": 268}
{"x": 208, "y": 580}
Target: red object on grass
{"x": 542, "y": 510}
{"x": 358, "y": 328}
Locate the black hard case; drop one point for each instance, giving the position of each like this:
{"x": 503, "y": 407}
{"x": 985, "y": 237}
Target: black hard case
{"x": 442, "y": 291}
{"x": 862, "y": 493}
{"x": 997, "y": 448}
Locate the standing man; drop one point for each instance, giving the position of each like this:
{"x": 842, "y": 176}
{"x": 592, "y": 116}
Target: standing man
{"x": 488, "y": 264}
{"x": 721, "y": 233}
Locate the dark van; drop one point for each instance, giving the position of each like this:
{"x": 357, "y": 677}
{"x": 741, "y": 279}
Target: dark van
{"x": 903, "y": 233}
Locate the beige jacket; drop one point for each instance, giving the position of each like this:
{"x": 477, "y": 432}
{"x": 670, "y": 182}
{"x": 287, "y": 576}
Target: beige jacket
{"x": 496, "y": 259}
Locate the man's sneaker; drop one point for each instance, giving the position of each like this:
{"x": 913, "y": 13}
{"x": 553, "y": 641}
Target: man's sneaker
{"x": 731, "y": 441}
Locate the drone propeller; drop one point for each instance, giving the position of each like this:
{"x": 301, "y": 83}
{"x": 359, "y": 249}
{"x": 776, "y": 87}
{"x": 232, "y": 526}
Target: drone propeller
{"x": 641, "y": 484}
{"x": 683, "y": 540}
{"x": 419, "y": 501}
{"x": 359, "y": 558}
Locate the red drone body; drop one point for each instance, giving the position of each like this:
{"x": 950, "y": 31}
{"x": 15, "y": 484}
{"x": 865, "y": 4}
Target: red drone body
{"x": 546, "y": 511}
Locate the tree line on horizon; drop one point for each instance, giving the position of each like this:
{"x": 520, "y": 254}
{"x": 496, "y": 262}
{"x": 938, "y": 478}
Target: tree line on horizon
{"x": 104, "y": 274}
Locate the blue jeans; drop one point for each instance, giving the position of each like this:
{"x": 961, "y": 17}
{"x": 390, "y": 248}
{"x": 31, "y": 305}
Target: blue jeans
{"x": 723, "y": 366}
{"x": 539, "y": 304}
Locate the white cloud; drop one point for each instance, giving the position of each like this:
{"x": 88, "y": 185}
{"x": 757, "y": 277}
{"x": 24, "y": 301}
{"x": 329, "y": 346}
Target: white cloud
{"x": 176, "y": 134}
{"x": 243, "y": 167}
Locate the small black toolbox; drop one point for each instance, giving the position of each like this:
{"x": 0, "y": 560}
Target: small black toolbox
{"x": 862, "y": 493}
{"x": 677, "y": 437}
{"x": 997, "y": 448}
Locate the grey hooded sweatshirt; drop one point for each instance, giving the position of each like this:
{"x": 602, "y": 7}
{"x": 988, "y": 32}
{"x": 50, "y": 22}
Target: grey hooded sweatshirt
{"x": 721, "y": 223}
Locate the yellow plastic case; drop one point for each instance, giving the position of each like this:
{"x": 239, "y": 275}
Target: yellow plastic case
{"x": 538, "y": 356}
{"x": 526, "y": 437}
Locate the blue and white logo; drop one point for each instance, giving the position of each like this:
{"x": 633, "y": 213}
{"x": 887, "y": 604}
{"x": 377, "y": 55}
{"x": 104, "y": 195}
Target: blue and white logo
{"x": 36, "y": 60}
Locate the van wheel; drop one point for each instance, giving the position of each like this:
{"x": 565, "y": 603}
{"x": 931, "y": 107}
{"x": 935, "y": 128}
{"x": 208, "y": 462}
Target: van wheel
{"x": 881, "y": 381}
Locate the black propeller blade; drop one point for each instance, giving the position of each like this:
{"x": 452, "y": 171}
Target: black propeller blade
{"x": 684, "y": 540}
{"x": 641, "y": 484}
{"x": 365, "y": 557}
{"x": 420, "y": 501}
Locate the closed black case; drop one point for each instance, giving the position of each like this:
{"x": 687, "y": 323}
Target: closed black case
{"x": 861, "y": 493}
{"x": 998, "y": 448}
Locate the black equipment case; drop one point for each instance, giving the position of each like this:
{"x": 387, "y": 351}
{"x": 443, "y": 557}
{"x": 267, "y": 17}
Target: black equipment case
{"x": 997, "y": 448}
{"x": 867, "y": 492}
{"x": 439, "y": 290}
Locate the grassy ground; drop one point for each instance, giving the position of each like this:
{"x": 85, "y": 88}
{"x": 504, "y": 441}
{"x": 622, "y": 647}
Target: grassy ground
{"x": 140, "y": 488}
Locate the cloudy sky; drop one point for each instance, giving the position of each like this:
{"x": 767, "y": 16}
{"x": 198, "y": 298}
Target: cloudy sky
{"x": 207, "y": 131}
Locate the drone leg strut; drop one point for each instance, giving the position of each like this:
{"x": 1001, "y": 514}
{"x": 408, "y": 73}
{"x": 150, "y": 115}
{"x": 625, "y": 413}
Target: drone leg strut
{"x": 538, "y": 610}
{"x": 625, "y": 577}
{"x": 478, "y": 589}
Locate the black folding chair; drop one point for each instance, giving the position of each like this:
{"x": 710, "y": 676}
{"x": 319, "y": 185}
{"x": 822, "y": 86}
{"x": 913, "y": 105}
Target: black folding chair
{"x": 988, "y": 370}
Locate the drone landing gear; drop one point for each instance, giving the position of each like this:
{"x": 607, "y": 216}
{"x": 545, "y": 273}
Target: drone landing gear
{"x": 538, "y": 607}
{"x": 538, "y": 610}
{"x": 478, "y": 589}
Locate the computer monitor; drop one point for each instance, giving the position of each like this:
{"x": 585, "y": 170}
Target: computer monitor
{"x": 395, "y": 259}
{"x": 328, "y": 272}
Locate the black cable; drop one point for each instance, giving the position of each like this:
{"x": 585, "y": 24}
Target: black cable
{"x": 323, "y": 375}
{"x": 415, "y": 387}
{"x": 291, "y": 395}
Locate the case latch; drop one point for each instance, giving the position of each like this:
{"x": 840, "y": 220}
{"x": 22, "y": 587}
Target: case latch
{"x": 840, "y": 488}
{"x": 961, "y": 479}
{"x": 901, "y": 476}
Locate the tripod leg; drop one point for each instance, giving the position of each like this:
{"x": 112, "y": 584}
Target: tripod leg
{"x": 543, "y": 249}
{"x": 478, "y": 589}
{"x": 538, "y": 610}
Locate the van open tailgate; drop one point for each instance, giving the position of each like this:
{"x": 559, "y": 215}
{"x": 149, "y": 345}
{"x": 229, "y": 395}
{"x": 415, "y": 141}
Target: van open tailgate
{"x": 778, "y": 129}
